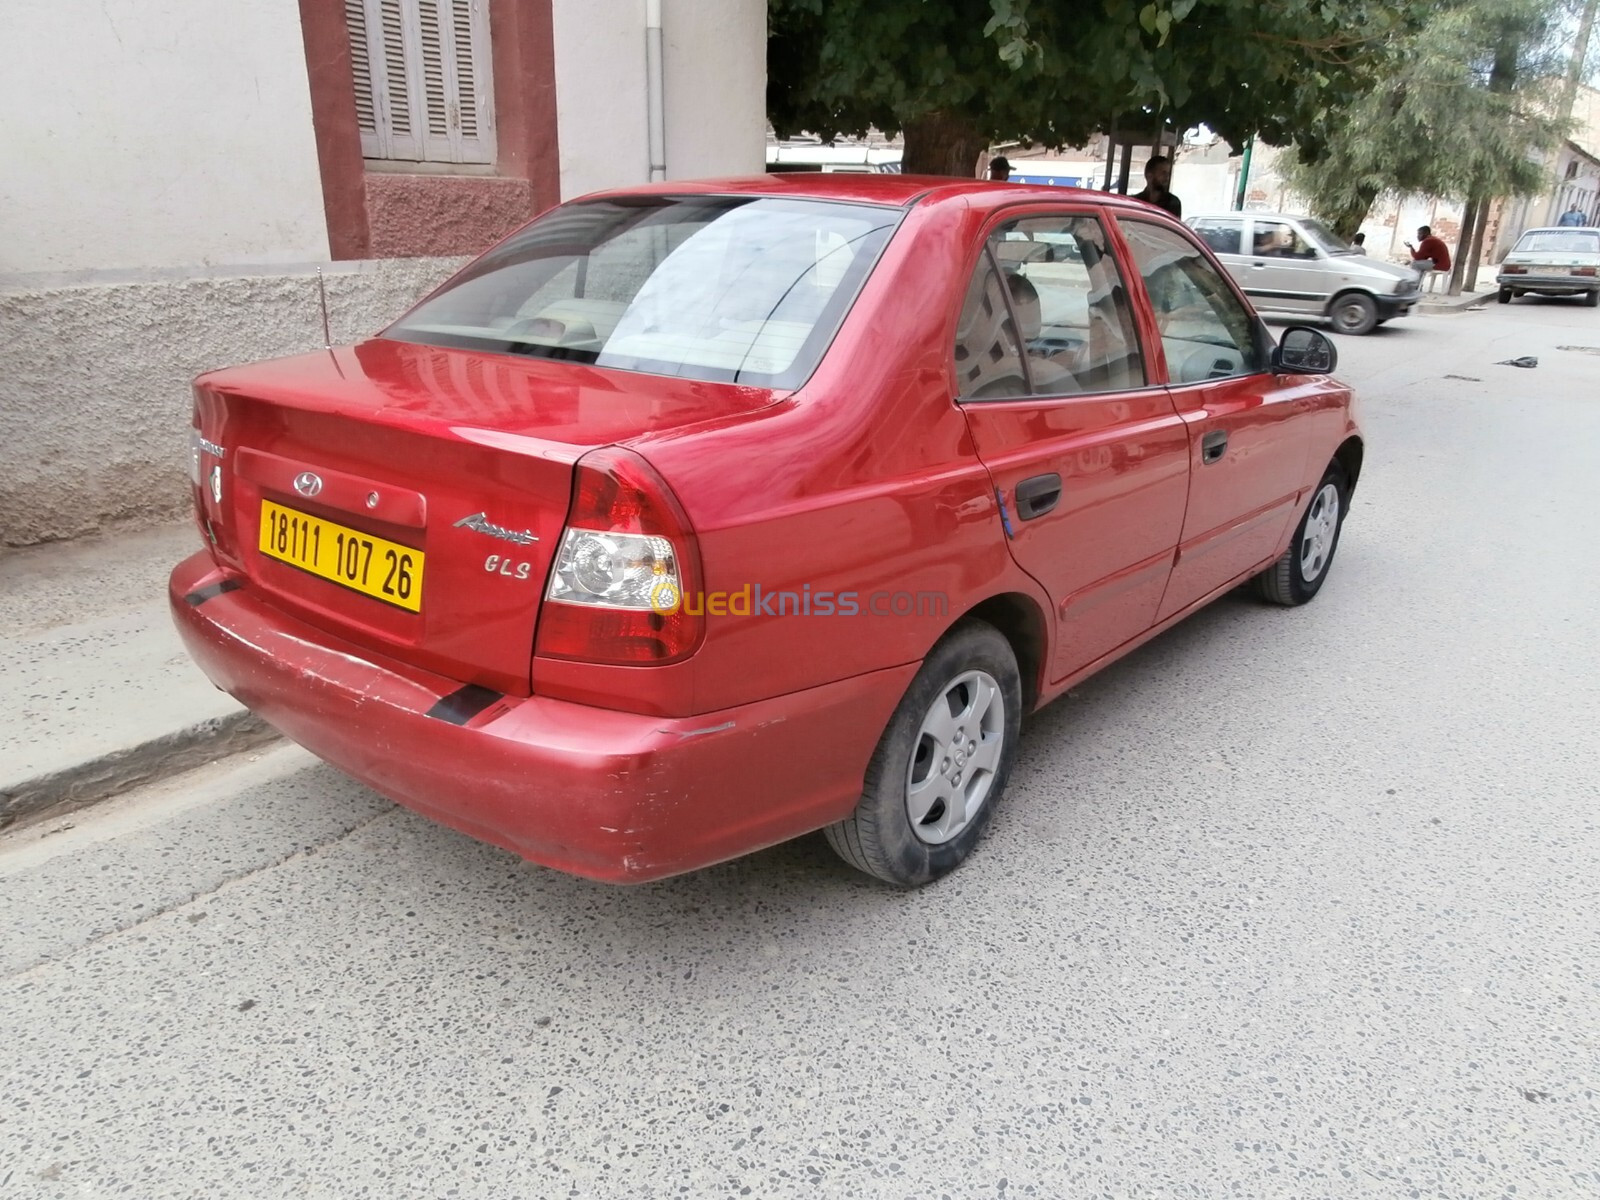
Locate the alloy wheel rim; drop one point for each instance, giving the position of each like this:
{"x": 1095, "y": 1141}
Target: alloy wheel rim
{"x": 1316, "y": 542}
{"x": 955, "y": 757}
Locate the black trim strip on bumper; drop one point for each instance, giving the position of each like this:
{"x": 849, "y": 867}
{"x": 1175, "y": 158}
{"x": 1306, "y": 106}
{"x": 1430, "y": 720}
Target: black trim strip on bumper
{"x": 211, "y": 591}
{"x": 461, "y": 705}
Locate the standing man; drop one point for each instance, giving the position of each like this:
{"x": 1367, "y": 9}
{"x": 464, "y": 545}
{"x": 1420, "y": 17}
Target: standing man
{"x": 1000, "y": 168}
{"x": 1358, "y": 243}
{"x": 1573, "y": 216}
{"x": 1157, "y": 181}
{"x": 1429, "y": 255}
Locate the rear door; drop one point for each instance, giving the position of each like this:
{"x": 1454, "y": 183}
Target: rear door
{"x": 1248, "y": 436}
{"x": 1087, "y": 452}
{"x": 1225, "y": 237}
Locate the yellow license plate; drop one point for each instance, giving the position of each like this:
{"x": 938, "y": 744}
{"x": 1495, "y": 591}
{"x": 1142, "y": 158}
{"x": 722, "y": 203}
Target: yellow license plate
{"x": 370, "y": 565}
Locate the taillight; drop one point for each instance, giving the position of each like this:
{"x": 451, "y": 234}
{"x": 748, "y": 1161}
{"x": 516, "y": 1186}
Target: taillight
{"x": 626, "y": 561}
{"x": 1508, "y": 269}
{"x": 1583, "y": 270}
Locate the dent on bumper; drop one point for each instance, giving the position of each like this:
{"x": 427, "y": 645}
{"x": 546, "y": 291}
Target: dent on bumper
{"x": 610, "y": 795}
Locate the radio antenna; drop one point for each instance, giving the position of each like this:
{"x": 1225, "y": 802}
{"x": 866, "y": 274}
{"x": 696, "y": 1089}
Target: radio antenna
{"x": 322, "y": 298}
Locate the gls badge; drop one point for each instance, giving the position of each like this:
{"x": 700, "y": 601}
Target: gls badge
{"x": 495, "y": 564}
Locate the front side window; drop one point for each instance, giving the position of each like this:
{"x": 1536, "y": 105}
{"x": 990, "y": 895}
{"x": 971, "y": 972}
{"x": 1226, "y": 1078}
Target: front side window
{"x": 1279, "y": 239}
{"x": 1073, "y": 314}
{"x": 1330, "y": 241}
{"x": 1206, "y": 331}
{"x": 734, "y": 289}
{"x": 1222, "y": 234}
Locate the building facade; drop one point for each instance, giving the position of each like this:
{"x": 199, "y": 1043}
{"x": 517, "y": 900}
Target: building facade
{"x": 178, "y": 172}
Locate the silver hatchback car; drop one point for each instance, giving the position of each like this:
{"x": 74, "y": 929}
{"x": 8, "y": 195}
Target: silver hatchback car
{"x": 1559, "y": 261}
{"x": 1296, "y": 266}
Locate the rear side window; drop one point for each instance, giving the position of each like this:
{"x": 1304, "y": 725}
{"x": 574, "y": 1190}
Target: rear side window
{"x": 726, "y": 288}
{"x": 1220, "y": 233}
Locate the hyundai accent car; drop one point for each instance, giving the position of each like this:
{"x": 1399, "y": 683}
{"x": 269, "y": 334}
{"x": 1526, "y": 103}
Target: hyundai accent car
{"x": 692, "y": 518}
{"x": 1296, "y": 266}
{"x": 1559, "y": 261}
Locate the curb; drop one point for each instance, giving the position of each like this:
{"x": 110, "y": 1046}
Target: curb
{"x": 101, "y": 778}
{"x": 1456, "y": 303}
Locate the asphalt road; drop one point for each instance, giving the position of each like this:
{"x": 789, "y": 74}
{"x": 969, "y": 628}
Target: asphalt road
{"x": 1288, "y": 904}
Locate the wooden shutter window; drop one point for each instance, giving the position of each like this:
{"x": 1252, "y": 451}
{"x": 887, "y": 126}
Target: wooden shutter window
{"x": 422, "y": 85}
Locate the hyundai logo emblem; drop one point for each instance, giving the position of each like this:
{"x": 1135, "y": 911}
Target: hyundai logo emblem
{"x": 308, "y": 483}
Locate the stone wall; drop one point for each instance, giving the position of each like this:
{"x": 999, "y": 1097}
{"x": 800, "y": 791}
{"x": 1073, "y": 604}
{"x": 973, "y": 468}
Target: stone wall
{"x": 94, "y": 378}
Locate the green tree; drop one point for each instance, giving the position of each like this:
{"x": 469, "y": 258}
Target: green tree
{"x": 1465, "y": 100}
{"x": 957, "y": 75}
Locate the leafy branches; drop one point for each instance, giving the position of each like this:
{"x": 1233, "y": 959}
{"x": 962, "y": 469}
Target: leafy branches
{"x": 1056, "y": 71}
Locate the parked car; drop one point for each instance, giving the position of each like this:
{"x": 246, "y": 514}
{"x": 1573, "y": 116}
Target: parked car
{"x": 695, "y": 517}
{"x": 1298, "y": 267}
{"x": 1559, "y": 261}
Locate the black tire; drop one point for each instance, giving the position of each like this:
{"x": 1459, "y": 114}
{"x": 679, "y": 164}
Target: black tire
{"x": 1354, "y": 313}
{"x": 1505, "y": 295}
{"x": 1285, "y": 581}
{"x": 880, "y": 837}
{"x": 1592, "y": 299}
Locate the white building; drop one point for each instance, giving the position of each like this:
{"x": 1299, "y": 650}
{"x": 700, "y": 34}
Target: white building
{"x": 176, "y": 172}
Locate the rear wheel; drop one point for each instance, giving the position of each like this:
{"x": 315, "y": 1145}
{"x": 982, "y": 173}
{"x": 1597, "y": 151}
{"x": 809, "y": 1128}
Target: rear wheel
{"x": 1592, "y": 299}
{"x": 941, "y": 763}
{"x": 1354, "y": 313}
{"x": 1299, "y": 574}
{"x": 1505, "y": 295}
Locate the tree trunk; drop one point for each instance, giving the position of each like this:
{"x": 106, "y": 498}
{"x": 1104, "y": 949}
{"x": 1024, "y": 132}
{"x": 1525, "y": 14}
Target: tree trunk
{"x": 1345, "y": 220}
{"x": 1476, "y": 256}
{"x": 1469, "y": 221}
{"x": 942, "y": 144}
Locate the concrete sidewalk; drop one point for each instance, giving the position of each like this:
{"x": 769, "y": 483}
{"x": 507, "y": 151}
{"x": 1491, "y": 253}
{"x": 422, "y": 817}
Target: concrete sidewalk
{"x": 98, "y": 693}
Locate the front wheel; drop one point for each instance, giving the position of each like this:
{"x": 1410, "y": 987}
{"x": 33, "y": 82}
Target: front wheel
{"x": 1298, "y": 576}
{"x": 941, "y": 763}
{"x": 1354, "y": 313}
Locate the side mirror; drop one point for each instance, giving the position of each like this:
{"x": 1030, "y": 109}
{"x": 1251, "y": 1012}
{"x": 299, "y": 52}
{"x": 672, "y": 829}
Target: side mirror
{"x": 1304, "y": 351}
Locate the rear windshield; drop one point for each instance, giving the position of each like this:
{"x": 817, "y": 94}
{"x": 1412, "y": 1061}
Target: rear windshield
{"x": 1559, "y": 241}
{"x": 737, "y": 289}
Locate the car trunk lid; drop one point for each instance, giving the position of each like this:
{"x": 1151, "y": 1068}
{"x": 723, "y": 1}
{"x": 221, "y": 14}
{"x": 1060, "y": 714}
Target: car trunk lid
{"x": 410, "y": 498}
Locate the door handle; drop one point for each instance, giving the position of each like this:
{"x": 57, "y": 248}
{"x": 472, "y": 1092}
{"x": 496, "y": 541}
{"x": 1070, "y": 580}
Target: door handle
{"x": 1038, "y": 495}
{"x": 1213, "y": 446}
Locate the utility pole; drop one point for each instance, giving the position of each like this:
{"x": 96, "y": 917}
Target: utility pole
{"x": 1569, "y": 94}
{"x": 1244, "y": 173}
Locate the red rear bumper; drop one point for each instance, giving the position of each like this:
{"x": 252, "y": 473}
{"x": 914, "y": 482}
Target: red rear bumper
{"x": 611, "y": 795}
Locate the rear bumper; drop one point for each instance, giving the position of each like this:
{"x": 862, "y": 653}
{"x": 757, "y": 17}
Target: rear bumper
{"x": 1549, "y": 285}
{"x": 610, "y": 795}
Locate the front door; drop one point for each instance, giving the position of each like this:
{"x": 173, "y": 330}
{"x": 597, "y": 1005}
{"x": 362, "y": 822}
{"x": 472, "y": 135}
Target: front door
{"x": 1088, "y": 454}
{"x": 1283, "y": 271}
{"x": 1248, "y": 439}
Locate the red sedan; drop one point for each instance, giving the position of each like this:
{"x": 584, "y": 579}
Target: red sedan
{"x": 696, "y": 517}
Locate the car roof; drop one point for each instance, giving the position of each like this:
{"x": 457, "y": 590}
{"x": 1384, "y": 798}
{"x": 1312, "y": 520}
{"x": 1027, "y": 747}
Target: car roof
{"x": 901, "y": 191}
{"x": 1561, "y": 229}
